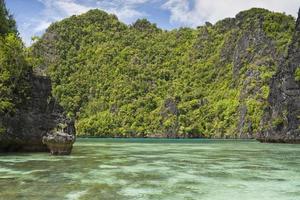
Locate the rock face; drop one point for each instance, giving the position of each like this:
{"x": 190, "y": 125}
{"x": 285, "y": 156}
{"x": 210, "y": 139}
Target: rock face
{"x": 282, "y": 119}
{"x": 35, "y": 119}
{"x": 169, "y": 118}
{"x": 59, "y": 143}
{"x": 263, "y": 54}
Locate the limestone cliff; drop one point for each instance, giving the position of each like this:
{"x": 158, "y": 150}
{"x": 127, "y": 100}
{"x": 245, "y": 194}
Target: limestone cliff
{"x": 282, "y": 121}
{"x": 142, "y": 81}
{"x": 40, "y": 115}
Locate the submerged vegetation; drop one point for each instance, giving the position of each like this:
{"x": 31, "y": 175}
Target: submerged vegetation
{"x": 141, "y": 81}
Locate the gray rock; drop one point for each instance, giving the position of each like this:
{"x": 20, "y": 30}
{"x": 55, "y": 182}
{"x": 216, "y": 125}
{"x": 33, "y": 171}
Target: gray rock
{"x": 169, "y": 112}
{"x": 39, "y": 116}
{"x": 282, "y": 119}
{"x": 59, "y": 143}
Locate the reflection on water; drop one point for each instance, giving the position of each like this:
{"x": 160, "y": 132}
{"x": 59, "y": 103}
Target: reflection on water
{"x": 155, "y": 169}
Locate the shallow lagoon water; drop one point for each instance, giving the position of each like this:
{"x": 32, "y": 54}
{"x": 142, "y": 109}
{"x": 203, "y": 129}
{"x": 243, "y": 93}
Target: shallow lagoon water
{"x": 156, "y": 169}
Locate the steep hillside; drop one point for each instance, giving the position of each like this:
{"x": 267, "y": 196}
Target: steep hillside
{"x": 14, "y": 70}
{"x": 141, "y": 81}
{"x": 27, "y": 109}
{"x": 282, "y": 119}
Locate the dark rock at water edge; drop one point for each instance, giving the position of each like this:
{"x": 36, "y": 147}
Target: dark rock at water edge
{"x": 282, "y": 119}
{"x": 59, "y": 143}
{"x": 40, "y": 115}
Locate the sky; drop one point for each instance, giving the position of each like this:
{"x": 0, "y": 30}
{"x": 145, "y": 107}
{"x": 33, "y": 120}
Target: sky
{"x": 34, "y": 16}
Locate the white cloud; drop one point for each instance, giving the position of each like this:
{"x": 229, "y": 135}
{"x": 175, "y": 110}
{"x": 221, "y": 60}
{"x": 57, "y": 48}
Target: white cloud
{"x": 182, "y": 12}
{"x": 41, "y": 26}
{"x": 126, "y": 10}
{"x": 55, "y": 10}
{"x": 196, "y": 12}
{"x": 71, "y": 7}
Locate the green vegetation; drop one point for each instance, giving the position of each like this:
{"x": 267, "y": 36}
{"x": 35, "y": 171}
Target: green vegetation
{"x": 297, "y": 74}
{"x": 277, "y": 122}
{"x": 137, "y": 81}
{"x": 13, "y": 66}
{"x": 279, "y": 27}
{"x": 7, "y": 23}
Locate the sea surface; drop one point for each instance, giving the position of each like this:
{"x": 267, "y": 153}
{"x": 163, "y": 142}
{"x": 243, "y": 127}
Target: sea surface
{"x": 155, "y": 169}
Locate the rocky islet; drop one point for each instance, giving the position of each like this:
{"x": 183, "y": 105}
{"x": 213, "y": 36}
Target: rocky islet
{"x": 42, "y": 113}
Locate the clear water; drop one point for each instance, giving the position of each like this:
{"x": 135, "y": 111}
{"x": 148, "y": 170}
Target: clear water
{"x": 156, "y": 169}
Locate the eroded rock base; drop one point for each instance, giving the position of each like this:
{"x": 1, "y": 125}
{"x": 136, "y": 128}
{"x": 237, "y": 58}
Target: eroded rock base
{"x": 59, "y": 143}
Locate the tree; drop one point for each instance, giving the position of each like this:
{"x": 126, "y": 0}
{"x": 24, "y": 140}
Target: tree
{"x": 7, "y": 22}
{"x": 14, "y": 69}
{"x": 117, "y": 79}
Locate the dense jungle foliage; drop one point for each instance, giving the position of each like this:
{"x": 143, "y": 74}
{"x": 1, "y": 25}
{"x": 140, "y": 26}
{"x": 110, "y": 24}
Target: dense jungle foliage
{"x": 138, "y": 80}
{"x": 14, "y": 86}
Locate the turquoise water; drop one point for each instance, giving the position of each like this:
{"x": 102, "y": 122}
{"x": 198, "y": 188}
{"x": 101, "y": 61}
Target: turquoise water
{"x": 156, "y": 169}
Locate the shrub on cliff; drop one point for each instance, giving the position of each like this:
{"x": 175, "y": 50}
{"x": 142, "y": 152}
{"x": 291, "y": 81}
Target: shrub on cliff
{"x": 297, "y": 74}
{"x": 139, "y": 80}
{"x": 14, "y": 86}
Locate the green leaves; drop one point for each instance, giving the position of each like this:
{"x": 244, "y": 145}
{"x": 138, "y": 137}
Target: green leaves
{"x": 297, "y": 74}
{"x": 14, "y": 71}
{"x": 116, "y": 79}
{"x": 7, "y": 23}
{"x": 280, "y": 28}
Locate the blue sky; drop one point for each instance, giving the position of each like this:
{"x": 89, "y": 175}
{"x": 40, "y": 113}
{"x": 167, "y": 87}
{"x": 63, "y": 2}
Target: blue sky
{"x": 34, "y": 16}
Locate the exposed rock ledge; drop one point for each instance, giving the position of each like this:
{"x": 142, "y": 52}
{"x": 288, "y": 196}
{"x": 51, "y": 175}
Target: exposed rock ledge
{"x": 282, "y": 119}
{"x": 38, "y": 117}
{"x": 59, "y": 143}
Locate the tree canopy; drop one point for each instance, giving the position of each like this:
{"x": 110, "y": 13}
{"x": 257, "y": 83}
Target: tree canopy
{"x": 7, "y": 22}
{"x": 139, "y": 80}
{"x": 14, "y": 69}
